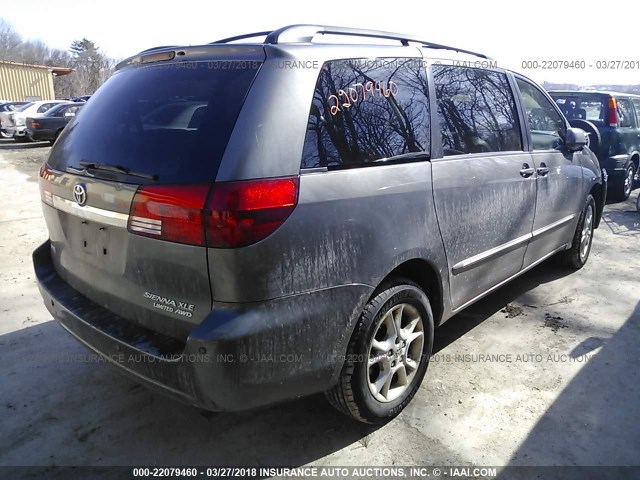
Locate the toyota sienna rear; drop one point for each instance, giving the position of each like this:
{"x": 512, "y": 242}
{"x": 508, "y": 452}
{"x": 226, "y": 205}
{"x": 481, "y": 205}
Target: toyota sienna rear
{"x": 239, "y": 224}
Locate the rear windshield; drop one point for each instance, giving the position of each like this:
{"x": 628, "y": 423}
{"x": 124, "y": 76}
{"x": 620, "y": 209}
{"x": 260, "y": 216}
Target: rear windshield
{"x": 166, "y": 121}
{"x": 582, "y": 106}
{"x": 10, "y": 107}
{"x": 23, "y": 107}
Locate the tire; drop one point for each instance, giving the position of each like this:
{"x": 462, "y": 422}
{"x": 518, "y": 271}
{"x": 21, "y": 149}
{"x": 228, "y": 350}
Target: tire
{"x": 55, "y": 137}
{"x": 593, "y": 133}
{"x": 368, "y": 368}
{"x": 576, "y": 257}
{"x": 621, "y": 189}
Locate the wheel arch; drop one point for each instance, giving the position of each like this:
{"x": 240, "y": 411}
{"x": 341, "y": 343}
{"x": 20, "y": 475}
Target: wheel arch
{"x": 426, "y": 276}
{"x": 635, "y": 158}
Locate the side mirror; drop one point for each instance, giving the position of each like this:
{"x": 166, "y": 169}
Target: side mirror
{"x": 576, "y": 139}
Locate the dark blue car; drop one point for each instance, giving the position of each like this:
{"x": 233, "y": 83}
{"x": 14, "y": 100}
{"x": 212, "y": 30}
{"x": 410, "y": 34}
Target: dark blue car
{"x": 50, "y": 124}
{"x": 613, "y": 123}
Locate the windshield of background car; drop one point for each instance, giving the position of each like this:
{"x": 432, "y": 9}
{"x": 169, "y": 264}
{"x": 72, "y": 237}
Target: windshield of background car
{"x": 585, "y": 107}
{"x": 168, "y": 121}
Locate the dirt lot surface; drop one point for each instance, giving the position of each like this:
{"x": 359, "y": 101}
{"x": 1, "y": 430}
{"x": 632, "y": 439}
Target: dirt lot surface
{"x": 543, "y": 372}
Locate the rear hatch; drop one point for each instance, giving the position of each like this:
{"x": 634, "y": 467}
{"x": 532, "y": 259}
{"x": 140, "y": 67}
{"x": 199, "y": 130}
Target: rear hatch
{"x": 125, "y": 186}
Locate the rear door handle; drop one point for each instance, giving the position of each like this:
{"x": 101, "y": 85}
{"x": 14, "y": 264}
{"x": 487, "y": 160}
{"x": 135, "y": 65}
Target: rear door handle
{"x": 527, "y": 171}
{"x": 542, "y": 170}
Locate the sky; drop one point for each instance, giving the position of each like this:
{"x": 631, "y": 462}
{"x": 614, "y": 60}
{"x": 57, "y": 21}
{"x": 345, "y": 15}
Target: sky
{"x": 518, "y": 35}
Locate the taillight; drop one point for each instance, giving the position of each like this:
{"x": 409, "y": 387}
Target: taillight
{"x": 245, "y": 212}
{"x": 614, "y": 119}
{"x": 236, "y": 214}
{"x": 35, "y": 125}
{"x": 173, "y": 213}
{"x": 45, "y": 185}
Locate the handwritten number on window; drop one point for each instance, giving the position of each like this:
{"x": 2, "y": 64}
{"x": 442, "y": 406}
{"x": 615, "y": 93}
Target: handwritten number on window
{"x": 358, "y": 92}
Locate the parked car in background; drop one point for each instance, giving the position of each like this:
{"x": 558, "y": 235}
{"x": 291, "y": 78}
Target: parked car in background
{"x": 51, "y": 123}
{"x": 239, "y": 234}
{"x": 612, "y": 121}
{"x": 17, "y": 121}
{"x": 11, "y": 106}
{"x": 5, "y": 109}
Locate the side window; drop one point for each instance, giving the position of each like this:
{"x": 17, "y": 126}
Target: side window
{"x": 547, "y": 125}
{"x": 626, "y": 112}
{"x": 636, "y": 104}
{"x": 43, "y": 108}
{"x": 367, "y": 111}
{"x": 476, "y": 110}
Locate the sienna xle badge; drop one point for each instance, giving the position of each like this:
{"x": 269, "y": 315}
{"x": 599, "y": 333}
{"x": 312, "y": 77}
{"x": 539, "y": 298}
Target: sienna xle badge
{"x": 240, "y": 234}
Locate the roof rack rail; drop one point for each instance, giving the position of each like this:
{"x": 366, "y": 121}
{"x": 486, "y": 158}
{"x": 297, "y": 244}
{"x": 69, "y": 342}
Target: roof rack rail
{"x": 242, "y": 37}
{"x": 305, "y": 33}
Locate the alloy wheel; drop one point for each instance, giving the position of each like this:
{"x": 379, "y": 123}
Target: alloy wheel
{"x": 587, "y": 233}
{"x": 395, "y": 352}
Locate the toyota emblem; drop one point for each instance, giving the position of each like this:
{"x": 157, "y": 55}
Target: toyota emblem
{"x": 80, "y": 194}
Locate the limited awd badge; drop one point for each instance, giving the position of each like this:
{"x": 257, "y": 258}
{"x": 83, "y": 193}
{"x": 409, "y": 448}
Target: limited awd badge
{"x": 80, "y": 194}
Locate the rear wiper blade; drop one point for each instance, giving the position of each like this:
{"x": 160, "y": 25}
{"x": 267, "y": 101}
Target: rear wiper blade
{"x": 116, "y": 169}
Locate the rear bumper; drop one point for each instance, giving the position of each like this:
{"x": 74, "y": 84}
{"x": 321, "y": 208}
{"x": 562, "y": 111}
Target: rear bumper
{"x": 240, "y": 357}
{"x": 20, "y": 131}
{"x": 11, "y": 130}
{"x": 41, "y": 134}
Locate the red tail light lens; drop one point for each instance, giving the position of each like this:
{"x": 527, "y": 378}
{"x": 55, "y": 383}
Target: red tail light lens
{"x": 173, "y": 213}
{"x": 236, "y": 214}
{"x": 35, "y": 125}
{"x": 245, "y": 212}
{"x": 614, "y": 119}
{"x": 45, "y": 185}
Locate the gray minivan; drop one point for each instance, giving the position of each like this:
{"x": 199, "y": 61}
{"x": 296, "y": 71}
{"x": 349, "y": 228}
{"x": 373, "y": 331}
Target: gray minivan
{"x": 247, "y": 222}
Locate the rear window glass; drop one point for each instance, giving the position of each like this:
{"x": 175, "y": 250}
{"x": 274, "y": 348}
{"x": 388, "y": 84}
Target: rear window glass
{"x": 23, "y": 107}
{"x": 163, "y": 120}
{"x": 367, "y": 111}
{"x": 10, "y": 107}
{"x": 584, "y": 107}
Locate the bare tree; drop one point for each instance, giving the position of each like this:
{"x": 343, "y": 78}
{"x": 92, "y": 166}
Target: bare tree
{"x": 92, "y": 67}
{"x": 10, "y": 42}
{"x": 34, "y": 52}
